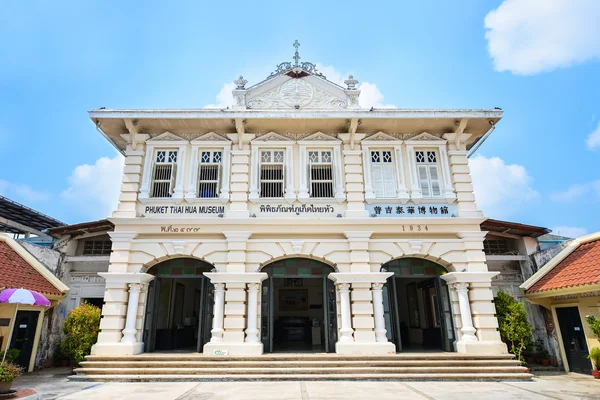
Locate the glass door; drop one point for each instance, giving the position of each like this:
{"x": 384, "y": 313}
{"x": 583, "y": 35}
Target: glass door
{"x": 445, "y": 312}
{"x": 330, "y": 315}
{"x": 265, "y": 315}
{"x": 149, "y": 336}
{"x": 205, "y": 317}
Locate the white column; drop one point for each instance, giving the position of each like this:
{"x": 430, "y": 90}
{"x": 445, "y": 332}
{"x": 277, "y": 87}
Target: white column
{"x": 380, "y": 330}
{"x": 226, "y": 172}
{"x": 254, "y": 161}
{"x": 217, "y": 329}
{"x": 338, "y": 166}
{"x": 290, "y": 191}
{"x": 192, "y": 192}
{"x": 366, "y": 155}
{"x": 179, "y": 174}
{"x": 346, "y": 331}
{"x": 401, "y": 192}
{"x": 146, "y": 177}
{"x": 448, "y": 189}
{"x": 302, "y": 168}
{"x": 252, "y": 331}
{"x": 468, "y": 331}
{"x": 132, "y": 307}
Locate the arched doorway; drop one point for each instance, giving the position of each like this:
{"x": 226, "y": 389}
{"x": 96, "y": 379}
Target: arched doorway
{"x": 298, "y": 308}
{"x": 179, "y": 306}
{"x": 418, "y": 313}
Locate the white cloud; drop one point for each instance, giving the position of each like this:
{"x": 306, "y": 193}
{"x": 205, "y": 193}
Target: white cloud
{"x": 501, "y": 190}
{"x": 569, "y": 231}
{"x": 527, "y": 37}
{"x": 575, "y": 192}
{"x": 94, "y": 189}
{"x": 224, "y": 98}
{"x": 593, "y": 139}
{"x": 22, "y": 192}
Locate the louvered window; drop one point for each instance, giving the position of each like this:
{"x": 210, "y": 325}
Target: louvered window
{"x": 320, "y": 172}
{"x": 383, "y": 176}
{"x": 209, "y": 174}
{"x": 428, "y": 175}
{"x": 96, "y": 247}
{"x": 163, "y": 175}
{"x": 271, "y": 173}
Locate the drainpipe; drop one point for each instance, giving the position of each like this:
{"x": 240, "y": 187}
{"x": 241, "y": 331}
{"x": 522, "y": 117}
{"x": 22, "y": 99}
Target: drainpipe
{"x": 483, "y": 139}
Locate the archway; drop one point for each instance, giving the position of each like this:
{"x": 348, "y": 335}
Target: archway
{"x": 298, "y": 308}
{"x": 179, "y": 306}
{"x": 418, "y": 312}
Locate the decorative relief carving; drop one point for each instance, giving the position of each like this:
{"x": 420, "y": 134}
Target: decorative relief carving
{"x": 270, "y": 136}
{"x": 320, "y": 136}
{"x": 381, "y": 136}
{"x": 297, "y": 92}
{"x": 425, "y": 136}
{"x": 210, "y": 136}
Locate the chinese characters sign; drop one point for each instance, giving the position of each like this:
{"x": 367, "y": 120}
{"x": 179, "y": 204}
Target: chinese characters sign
{"x": 411, "y": 210}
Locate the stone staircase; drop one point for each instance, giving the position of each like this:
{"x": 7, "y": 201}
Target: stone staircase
{"x": 279, "y": 367}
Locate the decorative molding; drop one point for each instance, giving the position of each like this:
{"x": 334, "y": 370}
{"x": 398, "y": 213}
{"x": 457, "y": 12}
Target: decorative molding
{"x": 211, "y": 137}
{"x": 166, "y": 137}
{"x": 426, "y": 136}
{"x": 320, "y": 136}
{"x": 178, "y": 246}
{"x": 297, "y": 93}
{"x": 380, "y": 137}
{"x": 271, "y": 136}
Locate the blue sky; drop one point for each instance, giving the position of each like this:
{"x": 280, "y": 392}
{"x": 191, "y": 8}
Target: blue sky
{"x": 537, "y": 61}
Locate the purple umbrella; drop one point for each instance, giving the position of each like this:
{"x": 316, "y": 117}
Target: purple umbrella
{"x": 21, "y": 296}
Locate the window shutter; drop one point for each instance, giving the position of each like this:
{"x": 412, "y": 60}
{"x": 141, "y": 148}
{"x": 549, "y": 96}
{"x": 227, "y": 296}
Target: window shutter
{"x": 389, "y": 181}
{"x": 435, "y": 181}
{"x": 423, "y": 180}
{"x": 378, "y": 185}
{"x": 172, "y": 179}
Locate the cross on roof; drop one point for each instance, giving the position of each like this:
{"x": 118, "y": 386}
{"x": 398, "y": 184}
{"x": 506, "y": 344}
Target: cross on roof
{"x": 296, "y": 55}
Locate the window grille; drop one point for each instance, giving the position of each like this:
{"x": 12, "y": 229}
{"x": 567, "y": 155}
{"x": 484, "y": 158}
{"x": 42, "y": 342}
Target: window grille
{"x": 383, "y": 176}
{"x": 209, "y": 174}
{"x": 321, "y": 174}
{"x": 96, "y": 247}
{"x": 163, "y": 175}
{"x": 496, "y": 246}
{"x": 271, "y": 173}
{"x": 427, "y": 170}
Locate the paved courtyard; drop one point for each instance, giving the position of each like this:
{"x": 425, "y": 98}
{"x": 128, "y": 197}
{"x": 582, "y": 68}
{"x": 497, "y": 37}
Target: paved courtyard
{"x": 53, "y": 384}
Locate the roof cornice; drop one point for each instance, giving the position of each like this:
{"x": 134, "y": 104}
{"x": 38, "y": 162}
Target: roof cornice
{"x": 291, "y": 114}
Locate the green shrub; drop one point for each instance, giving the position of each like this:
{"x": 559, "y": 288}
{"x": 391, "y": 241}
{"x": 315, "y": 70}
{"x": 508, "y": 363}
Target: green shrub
{"x": 514, "y": 328}
{"x": 9, "y": 371}
{"x": 11, "y": 355}
{"x": 594, "y": 325}
{"x": 594, "y": 356}
{"x": 81, "y": 332}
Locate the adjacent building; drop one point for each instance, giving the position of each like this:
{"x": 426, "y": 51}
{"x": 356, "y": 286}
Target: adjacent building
{"x": 297, "y": 221}
{"x": 569, "y": 287}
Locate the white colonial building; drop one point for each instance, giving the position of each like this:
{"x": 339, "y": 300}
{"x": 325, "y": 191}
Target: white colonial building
{"x": 297, "y": 221}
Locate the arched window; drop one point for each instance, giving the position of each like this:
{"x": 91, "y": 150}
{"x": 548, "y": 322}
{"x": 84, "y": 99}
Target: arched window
{"x": 414, "y": 267}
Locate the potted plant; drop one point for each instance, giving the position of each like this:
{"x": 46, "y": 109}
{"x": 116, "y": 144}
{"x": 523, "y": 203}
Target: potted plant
{"x": 594, "y": 357}
{"x": 8, "y": 373}
{"x": 11, "y": 355}
{"x": 81, "y": 332}
{"x": 545, "y": 356}
{"x": 514, "y": 328}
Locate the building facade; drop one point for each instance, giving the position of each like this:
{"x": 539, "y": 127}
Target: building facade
{"x": 297, "y": 221}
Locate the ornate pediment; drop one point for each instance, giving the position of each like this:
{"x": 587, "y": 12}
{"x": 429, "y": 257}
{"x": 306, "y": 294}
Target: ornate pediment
{"x": 167, "y": 137}
{"x": 320, "y": 136}
{"x": 210, "y": 137}
{"x": 296, "y": 93}
{"x": 271, "y": 137}
{"x": 426, "y": 136}
{"x": 380, "y": 137}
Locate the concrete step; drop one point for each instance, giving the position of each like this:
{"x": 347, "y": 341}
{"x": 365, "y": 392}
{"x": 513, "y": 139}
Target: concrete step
{"x": 295, "y": 370}
{"x": 301, "y": 363}
{"x": 299, "y": 357}
{"x": 305, "y": 377}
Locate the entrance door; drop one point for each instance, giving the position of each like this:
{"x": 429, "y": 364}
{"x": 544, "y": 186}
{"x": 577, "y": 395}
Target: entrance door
{"x": 298, "y": 307}
{"x": 23, "y": 336}
{"x": 573, "y": 338}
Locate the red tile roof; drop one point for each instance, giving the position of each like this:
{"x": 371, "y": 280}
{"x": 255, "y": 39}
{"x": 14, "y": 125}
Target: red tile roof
{"x": 581, "y": 267}
{"x": 16, "y": 272}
